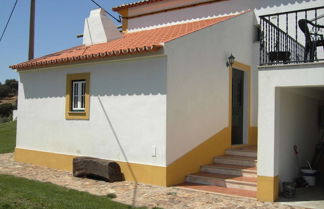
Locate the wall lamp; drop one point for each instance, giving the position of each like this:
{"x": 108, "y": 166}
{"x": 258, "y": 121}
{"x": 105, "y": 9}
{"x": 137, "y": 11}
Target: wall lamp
{"x": 230, "y": 60}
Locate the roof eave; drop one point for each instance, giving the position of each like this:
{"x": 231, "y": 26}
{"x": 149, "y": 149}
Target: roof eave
{"x": 84, "y": 58}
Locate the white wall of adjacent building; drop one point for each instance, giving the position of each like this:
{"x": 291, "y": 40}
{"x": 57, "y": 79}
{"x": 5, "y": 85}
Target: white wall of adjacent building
{"x": 132, "y": 93}
{"x": 220, "y": 8}
{"x": 211, "y": 9}
{"x": 279, "y": 111}
{"x": 198, "y": 82}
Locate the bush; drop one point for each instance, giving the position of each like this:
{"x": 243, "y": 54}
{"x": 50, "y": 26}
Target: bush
{"x": 4, "y": 120}
{"x": 14, "y": 106}
{"x": 4, "y": 91}
{"x": 13, "y": 85}
{"x": 6, "y": 110}
{"x": 111, "y": 195}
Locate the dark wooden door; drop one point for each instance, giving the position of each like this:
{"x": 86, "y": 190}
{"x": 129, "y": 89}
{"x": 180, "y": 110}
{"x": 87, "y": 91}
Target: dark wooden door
{"x": 237, "y": 106}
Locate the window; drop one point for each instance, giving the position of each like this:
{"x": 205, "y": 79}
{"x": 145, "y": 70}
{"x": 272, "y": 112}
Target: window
{"x": 77, "y": 96}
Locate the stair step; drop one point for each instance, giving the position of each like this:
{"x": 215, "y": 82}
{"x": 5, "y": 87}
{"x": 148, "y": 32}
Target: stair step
{"x": 236, "y": 160}
{"x": 249, "y": 151}
{"x": 228, "y": 181}
{"x": 220, "y": 190}
{"x": 235, "y": 170}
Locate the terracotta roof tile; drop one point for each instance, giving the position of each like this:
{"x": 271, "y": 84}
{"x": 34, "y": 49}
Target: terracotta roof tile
{"x": 130, "y": 43}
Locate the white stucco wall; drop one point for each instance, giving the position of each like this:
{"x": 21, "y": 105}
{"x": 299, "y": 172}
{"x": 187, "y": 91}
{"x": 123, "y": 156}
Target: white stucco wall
{"x": 133, "y": 94}
{"x": 261, "y": 7}
{"x": 198, "y": 82}
{"x": 298, "y": 125}
{"x": 304, "y": 75}
{"x": 14, "y": 114}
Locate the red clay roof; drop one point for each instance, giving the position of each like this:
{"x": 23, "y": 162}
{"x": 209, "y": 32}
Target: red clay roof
{"x": 134, "y": 4}
{"x": 130, "y": 43}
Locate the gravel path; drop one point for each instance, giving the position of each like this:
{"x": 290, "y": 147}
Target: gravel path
{"x": 129, "y": 192}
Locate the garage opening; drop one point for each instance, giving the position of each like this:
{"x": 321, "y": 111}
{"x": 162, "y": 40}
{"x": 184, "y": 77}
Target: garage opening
{"x": 299, "y": 129}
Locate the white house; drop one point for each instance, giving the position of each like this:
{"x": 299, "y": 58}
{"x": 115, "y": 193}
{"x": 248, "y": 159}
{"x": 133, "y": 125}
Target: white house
{"x": 162, "y": 99}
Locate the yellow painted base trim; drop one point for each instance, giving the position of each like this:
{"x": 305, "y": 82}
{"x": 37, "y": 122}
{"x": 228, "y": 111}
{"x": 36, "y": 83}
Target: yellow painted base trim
{"x": 163, "y": 176}
{"x": 147, "y": 174}
{"x": 201, "y": 155}
{"x": 51, "y": 160}
{"x": 268, "y": 188}
{"x": 253, "y": 136}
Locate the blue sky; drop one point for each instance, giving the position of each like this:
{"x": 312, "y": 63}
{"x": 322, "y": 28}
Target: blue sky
{"x": 57, "y": 24}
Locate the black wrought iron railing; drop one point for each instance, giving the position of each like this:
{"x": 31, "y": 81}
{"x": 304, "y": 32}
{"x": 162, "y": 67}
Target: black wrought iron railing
{"x": 292, "y": 37}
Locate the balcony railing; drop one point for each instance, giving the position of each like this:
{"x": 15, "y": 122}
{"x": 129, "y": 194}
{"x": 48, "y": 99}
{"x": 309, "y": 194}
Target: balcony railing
{"x": 292, "y": 37}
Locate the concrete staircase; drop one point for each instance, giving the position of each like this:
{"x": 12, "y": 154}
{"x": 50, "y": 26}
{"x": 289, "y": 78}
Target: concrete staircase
{"x": 235, "y": 172}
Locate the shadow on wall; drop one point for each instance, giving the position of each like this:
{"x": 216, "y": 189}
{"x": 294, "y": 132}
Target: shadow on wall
{"x": 297, "y": 124}
{"x": 120, "y": 78}
{"x": 121, "y": 150}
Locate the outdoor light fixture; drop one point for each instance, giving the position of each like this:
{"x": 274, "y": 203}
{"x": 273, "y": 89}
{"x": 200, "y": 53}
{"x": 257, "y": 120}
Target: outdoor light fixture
{"x": 230, "y": 60}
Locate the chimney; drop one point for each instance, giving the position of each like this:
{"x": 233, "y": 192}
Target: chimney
{"x": 98, "y": 28}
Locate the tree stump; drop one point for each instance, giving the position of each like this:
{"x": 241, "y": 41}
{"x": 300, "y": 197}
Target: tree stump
{"x": 97, "y": 168}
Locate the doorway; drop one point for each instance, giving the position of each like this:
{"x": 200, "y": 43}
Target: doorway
{"x": 237, "y": 106}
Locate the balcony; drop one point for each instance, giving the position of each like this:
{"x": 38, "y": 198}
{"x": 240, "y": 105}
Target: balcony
{"x": 292, "y": 37}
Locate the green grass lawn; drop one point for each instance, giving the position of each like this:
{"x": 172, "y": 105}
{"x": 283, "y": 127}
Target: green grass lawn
{"x": 7, "y": 137}
{"x": 19, "y": 193}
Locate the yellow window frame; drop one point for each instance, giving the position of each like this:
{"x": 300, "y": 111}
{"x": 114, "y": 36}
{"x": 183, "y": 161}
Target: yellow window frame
{"x": 79, "y": 115}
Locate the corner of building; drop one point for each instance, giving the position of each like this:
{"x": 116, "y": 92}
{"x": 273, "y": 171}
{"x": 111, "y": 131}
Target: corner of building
{"x": 268, "y": 188}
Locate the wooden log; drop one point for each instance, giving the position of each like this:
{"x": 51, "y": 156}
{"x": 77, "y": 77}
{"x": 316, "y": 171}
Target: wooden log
{"x": 97, "y": 168}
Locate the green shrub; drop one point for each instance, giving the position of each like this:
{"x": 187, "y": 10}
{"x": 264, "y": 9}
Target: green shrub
{"x": 13, "y": 85}
{"x": 14, "y": 106}
{"x": 4, "y": 120}
{"x": 6, "y": 110}
{"x": 111, "y": 195}
{"x": 4, "y": 91}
